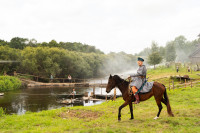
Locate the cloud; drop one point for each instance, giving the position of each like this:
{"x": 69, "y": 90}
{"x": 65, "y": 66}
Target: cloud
{"x": 111, "y": 25}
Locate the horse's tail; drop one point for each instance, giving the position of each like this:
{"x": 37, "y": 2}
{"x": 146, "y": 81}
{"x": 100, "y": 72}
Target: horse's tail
{"x": 168, "y": 104}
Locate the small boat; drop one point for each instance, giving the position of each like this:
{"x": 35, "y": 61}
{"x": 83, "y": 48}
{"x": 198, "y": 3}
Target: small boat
{"x": 1, "y": 94}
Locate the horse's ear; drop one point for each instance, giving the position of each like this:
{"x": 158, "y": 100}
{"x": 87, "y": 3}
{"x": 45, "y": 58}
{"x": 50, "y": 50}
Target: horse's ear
{"x": 110, "y": 76}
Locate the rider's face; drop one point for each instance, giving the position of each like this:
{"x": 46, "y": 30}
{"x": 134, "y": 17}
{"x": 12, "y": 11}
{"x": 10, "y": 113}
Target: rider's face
{"x": 139, "y": 63}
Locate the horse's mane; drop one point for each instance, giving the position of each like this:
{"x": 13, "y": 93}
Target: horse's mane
{"x": 119, "y": 79}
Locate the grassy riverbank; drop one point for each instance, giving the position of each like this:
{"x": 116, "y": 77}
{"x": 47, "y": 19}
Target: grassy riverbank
{"x": 185, "y": 103}
{"x": 8, "y": 83}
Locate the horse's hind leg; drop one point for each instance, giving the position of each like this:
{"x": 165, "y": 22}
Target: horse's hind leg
{"x": 131, "y": 110}
{"x": 159, "y": 107}
{"x": 164, "y": 101}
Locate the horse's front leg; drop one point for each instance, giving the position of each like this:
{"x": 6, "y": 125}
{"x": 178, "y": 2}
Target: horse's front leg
{"x": 131, "y": 110}
{"x": 120, "y": 108}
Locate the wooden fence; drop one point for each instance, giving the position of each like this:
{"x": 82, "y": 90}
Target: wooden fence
{"x": 171, "y": 85}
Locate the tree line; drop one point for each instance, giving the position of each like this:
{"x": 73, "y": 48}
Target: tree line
{"x": 178, "y": 49}
{"x": 61, "y": 59}
{"x": 21, "y": 43}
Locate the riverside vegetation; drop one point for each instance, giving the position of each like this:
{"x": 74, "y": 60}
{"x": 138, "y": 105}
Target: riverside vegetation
{"x": 185, "y": 103}
{"x": 82, "y": 60}
{"x": 8, "y": 83}
{"x": 60, "y": 59}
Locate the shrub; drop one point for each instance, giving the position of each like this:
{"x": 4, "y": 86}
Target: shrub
{"x": 2, "y": 112}
{"x": 8, "y": 83}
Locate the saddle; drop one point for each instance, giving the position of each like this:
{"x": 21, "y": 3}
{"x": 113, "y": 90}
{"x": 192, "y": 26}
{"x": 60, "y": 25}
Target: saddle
{"x": 138, "y": 92}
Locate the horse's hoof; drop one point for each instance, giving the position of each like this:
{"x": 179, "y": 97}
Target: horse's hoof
{"x": 156, "y": 118}
{"x": 172, "y": 115}
{"x": 119, "y": 119}
{"x": 131, "y": 119}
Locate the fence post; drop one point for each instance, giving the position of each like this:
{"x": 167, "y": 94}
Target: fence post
{"x": 114, "y": 94}
{"x": 94, "y": 92}
{"x": 169, "y": 84}
{"x": 173, "y": 84}
{"x": 185, "y": 83}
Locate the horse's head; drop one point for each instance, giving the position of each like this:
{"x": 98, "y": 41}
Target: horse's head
{"x": 111, "y": 84}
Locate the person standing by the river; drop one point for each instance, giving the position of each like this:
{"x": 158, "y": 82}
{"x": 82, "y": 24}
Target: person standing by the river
{"x": 70, "y": 78}
{"x": 73, "y": 93}
{"x": 51, "y": 77}
{"x": 177, "y": 69}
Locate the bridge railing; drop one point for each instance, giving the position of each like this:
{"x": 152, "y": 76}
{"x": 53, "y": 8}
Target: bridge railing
{"x": 59, "y": 80}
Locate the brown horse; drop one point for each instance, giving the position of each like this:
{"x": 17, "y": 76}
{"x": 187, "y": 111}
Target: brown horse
{"x": 158, "y": 91}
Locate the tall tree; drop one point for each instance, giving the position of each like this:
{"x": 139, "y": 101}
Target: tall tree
{"x": 3, "y": 43}
{"x": 18, "y": 43}
{"x": 154, "y": 57}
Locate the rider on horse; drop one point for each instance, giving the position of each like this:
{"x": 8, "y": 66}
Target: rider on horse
{"x": 138, "y": 79}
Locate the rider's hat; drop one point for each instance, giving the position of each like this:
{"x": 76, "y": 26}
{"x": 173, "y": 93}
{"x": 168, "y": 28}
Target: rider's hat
{"x": 140, "y": 59}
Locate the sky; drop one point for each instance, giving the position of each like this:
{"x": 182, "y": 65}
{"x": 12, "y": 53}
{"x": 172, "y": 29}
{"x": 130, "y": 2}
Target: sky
{"x": 109, "y": 25}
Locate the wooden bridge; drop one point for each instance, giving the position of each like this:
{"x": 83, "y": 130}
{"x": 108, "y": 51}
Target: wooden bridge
{"x": 35, "y": 81}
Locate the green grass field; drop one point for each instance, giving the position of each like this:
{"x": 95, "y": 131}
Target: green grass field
{"x": 185, "y": 103}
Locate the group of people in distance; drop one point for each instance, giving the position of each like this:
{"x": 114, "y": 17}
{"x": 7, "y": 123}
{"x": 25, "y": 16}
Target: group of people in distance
{"x": 69, "y": 78}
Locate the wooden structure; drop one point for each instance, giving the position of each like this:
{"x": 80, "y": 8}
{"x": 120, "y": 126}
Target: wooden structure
{"x": 195, "y": 56}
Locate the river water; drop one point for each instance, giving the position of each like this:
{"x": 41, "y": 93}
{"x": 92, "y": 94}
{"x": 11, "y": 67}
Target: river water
{"x": 43, "y": 98}
{"x": 36, "y": 99}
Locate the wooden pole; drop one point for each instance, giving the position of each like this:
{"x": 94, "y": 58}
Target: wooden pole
{"x": 185, "y": 83}
{"x": 114, "y": 94}
{"x": 94, "y": 92}
{"x": 173, "y": 84}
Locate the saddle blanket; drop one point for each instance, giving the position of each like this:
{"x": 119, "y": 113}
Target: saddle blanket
{"x": 147, "y": 87}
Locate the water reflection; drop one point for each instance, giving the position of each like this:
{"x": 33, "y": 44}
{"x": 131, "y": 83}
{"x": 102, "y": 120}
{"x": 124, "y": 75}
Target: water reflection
{"x": 42, "y": 98}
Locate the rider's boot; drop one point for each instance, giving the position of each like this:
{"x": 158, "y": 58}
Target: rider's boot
{"x": 137, "y": 99}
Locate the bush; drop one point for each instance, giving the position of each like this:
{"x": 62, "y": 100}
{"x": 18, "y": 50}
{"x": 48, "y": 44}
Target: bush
{"x": 2, "y": 112}
{"x": 8, "y": 83}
